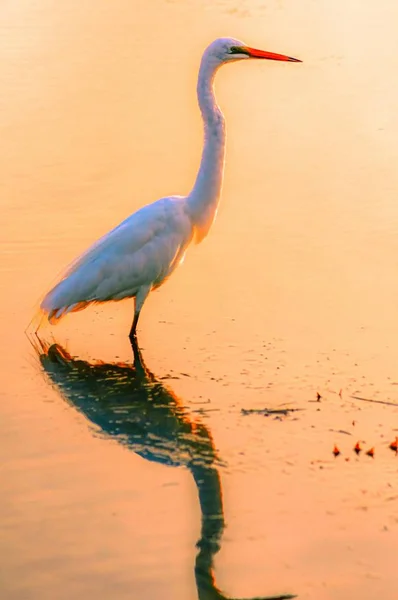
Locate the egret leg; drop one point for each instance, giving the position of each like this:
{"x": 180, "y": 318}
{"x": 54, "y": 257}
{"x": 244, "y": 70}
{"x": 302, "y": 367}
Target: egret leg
{"x": 139, "y": 303}
{"x": 139, "y": 364}
{"x": 133, "y": 330}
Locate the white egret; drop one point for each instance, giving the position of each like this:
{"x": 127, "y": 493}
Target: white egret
{"x": 138, "y": 255}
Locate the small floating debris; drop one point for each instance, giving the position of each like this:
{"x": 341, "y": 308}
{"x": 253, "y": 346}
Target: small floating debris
{"x": 266, "y": 412}
{"x": 341, "y": 431}
{"x": 375, "y": 401}
{"x": 204, "y": 411}
{"x": 336, "y": 451}
{"x": 371, "y": 452}
{"x": 394, "y": 445}
{"x": 357, "y": 448}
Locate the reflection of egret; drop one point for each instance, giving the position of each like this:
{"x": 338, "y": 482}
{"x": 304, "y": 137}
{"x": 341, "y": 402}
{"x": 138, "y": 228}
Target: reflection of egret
{"x": 130, "y": 404}
{"x": 139, "y": 255}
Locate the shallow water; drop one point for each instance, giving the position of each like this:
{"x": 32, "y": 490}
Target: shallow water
{"x": 112, "y": 474}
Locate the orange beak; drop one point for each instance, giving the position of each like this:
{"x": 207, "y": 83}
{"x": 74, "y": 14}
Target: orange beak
{"x": 253, "y": 53}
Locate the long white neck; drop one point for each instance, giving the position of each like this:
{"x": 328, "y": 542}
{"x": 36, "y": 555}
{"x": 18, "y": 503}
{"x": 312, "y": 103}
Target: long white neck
{"x": 205, "y": 195}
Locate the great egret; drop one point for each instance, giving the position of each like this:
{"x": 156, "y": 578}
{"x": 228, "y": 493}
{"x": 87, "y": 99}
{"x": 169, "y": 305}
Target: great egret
{"x": 139, "y": 255}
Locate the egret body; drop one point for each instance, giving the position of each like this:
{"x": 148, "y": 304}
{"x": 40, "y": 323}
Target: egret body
{"x": 138, "y": 255}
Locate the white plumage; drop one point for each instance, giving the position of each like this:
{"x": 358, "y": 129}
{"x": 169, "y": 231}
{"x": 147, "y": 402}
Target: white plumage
{"x": 135, "y": 257}
{"x": 139, "y": 255}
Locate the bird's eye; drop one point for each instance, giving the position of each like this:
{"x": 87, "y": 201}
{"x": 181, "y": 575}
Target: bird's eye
{"x": 237, "y": 50}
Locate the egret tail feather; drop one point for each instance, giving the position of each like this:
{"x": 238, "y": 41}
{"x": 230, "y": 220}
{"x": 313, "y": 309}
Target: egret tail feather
{"x": 56, "y": 314}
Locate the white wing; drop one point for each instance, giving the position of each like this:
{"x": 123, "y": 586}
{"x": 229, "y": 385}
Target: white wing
{"x": 142, "y": 251}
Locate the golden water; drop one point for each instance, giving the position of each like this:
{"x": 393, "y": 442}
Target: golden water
{"x": 294, "y": 292}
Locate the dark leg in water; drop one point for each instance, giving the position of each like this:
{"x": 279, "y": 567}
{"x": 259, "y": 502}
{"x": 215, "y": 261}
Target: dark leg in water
{"x": 133, "y": 330}
{"x": 139, "y": 303}
{"x": 140, "y": 367}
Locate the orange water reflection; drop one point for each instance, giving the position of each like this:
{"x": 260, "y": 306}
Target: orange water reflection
{"x": 129, "y": 403}
{"x": 294, "y": 292}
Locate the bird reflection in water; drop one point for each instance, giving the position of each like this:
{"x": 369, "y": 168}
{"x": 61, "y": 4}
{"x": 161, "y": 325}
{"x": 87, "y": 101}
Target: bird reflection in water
{"x": 127, "y": 402}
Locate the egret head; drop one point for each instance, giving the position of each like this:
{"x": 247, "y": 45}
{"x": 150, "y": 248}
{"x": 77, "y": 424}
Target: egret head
{"x": 225, "y": 50}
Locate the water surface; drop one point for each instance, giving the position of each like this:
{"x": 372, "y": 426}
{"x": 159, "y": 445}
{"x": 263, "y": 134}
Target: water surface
{"x": 293, "y": 293}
